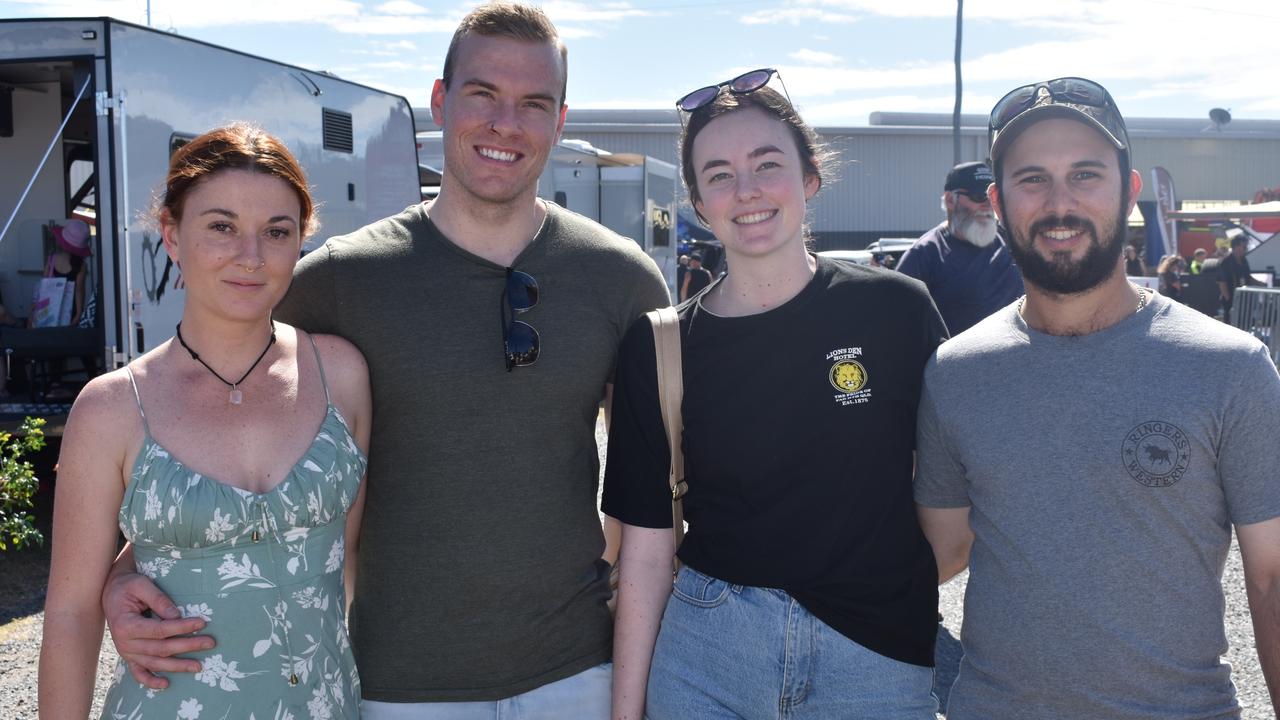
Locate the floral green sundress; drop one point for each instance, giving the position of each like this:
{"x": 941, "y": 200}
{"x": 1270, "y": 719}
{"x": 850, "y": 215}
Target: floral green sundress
{"x": 264, "y": 570}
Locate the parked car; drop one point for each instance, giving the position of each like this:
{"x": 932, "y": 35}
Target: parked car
{"x": 893, "y": 247}
{"x": 861, "y": 257}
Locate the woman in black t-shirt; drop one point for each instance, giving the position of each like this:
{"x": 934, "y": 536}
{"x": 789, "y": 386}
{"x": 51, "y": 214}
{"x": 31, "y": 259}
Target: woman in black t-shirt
{"x": 807, "y": 583}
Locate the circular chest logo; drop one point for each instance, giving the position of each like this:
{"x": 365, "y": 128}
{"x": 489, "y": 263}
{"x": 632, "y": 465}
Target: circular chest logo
{"x": 848, "y": 376}
{"x": 1156, "y": 453}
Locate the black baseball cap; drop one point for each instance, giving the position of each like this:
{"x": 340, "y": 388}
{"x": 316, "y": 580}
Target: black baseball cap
{"x": 1073, "y": 98}
{"x": 970, "y": 177}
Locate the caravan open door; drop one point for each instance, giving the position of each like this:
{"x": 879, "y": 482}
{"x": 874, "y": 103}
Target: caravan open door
{"x": 53, "y": 160}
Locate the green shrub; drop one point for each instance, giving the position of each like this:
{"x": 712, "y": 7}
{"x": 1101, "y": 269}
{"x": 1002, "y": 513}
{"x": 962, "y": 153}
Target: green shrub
{"x": 18, "y": 485}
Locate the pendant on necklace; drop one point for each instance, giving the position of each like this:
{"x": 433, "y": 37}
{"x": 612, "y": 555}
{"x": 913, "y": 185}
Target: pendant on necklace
{"x": 236, "y": 396}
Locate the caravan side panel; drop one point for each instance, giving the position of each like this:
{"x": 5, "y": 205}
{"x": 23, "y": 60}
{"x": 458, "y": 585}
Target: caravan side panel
{"x": 174, "y": 88}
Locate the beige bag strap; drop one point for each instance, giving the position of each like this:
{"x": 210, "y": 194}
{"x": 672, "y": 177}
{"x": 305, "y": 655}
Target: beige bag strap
{"x": 666, "y": 341}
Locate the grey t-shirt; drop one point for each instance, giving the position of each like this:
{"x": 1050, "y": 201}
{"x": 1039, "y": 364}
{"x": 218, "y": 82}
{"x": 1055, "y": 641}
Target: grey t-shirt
{"x": 479, "y": 573}
{"x": 1103, "y": 473}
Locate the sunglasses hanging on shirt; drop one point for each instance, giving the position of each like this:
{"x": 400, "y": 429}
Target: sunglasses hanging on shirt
{"x": 520, "y": 340}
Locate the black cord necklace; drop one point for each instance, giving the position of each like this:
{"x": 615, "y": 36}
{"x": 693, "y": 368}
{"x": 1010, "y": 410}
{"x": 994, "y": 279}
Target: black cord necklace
{"x": 236, "y": 397}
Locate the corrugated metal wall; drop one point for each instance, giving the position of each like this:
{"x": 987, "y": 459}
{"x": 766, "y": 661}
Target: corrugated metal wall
{"x": 887, "y": 183}
{"x": 889, "y": 178}
{"x": 1209, "y": 168}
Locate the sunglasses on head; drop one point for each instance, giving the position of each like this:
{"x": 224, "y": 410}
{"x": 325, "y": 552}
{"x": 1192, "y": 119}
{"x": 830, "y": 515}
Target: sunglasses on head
{"x": 519, "y": 340}
{"x": 747, "y": 82}
{"x": 1085, "y": 95}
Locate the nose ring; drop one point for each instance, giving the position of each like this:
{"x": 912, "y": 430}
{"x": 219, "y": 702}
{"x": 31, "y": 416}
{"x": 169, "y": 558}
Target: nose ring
{"x": 248, "y": 269}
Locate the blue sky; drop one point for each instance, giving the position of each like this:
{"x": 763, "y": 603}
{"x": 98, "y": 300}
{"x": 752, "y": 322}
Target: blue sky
{"x": 840, "y": 59}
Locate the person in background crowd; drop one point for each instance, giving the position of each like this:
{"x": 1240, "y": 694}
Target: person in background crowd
{"x": 70, "y": 260}
{"x": 1169, "y": 273}
{"x": 695, "y": 278}
{"x": 1095, "y": 515}
{"x": 801, "y": 544}
{"x": 1234, "y": 272}
{"x": 1197, "y": 261}
{"x": 481, "y": 588}
{"x": 964, "y": 261}
{"x": 1133, "y": 265}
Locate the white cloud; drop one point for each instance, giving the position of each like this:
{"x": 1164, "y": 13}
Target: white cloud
{"x": 1262, "y": 107}
{"x": 807, "y": 80}
{"x": 382, "y": 48}
{"x": 576, "y": 20}
{"x": 856, "y": 111}
{"x": 184, "y": 16}
{"x": 400, "y": 65}
{"x": 398, "y": 17}
{"x": 814, "y": 57}
{"x": 1156, "y": 52}
{"x": 566, "y": 11}
{"x": 570, "y": 32}
{"x": 629, "y": 103}
{"x": 400, "y": 7}
{"x": 795, "y": 15}
{"x": 393, "y": 25}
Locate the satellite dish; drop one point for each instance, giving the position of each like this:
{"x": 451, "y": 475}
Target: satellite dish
{"x": 1219, "y": 117}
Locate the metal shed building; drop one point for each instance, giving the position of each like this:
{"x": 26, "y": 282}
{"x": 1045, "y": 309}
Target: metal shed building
{"x": 890, "y": 172}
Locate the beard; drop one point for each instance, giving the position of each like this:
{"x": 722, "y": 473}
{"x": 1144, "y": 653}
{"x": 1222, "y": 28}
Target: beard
{"x": 1058, "y": 273}
{"x": 975, "y": 229}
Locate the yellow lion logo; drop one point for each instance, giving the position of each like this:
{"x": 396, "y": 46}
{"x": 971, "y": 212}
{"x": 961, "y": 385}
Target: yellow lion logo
{"x": 848, "y": 376}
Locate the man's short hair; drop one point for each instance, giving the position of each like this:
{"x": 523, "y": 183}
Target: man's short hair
{"x": 1240, "y": 240}
{"x": 510, "y": 20}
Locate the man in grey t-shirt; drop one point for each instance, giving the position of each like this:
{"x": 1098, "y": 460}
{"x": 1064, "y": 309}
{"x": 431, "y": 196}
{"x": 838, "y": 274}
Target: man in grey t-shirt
{"x": 1095, "y": 514}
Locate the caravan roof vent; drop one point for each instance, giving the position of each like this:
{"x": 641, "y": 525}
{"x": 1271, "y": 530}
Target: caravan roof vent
{"x": 337, "y": 131}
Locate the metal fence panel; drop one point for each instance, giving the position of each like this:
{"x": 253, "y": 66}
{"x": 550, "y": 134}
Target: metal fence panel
{"x": 1257, "y": 311}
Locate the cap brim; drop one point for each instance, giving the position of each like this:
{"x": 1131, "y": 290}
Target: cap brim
{"x": 1010, "y": 132}
{"x": 982, "y": 188}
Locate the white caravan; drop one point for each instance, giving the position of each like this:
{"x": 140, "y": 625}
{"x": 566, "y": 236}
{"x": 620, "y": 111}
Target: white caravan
{"x": 91, "y": 109}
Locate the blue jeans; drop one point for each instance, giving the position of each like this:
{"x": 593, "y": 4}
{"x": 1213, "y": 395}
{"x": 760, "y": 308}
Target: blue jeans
{"x": 585, "y": 696}
{"x": 733, "y": 651}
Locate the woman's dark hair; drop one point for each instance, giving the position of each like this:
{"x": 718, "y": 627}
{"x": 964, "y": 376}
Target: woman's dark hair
{"x": 815, "y": 156}
{"x": 234, "y": 147}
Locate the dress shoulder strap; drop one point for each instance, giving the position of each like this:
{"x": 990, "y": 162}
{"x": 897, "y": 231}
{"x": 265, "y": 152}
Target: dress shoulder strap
{"x": 137, "y": 398}
{"x": 320, "y": 365}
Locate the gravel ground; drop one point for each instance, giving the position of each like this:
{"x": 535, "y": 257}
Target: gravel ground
{"x": 22, "y": 595}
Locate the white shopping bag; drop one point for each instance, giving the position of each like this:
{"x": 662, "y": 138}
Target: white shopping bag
{"x": 68, "y": 303}
{"x": 46, "y": 304}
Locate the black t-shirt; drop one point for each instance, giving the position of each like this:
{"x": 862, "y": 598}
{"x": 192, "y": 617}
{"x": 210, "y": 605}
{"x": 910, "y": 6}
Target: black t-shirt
{"x": 799, "y": 428}
{"x": 698, "y": 279}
